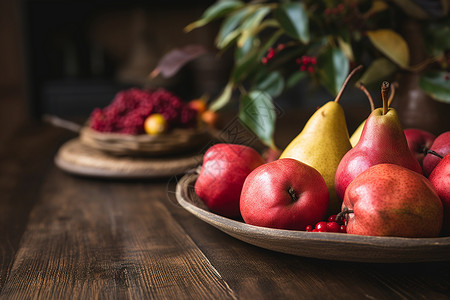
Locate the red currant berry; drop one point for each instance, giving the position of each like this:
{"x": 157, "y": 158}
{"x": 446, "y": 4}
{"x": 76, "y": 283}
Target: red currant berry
{"x": 313, "y": 60}
{"x": 332, "y": 218}
{"x": 309, "y": 228}
{"x": 310, "y": 69}
{"x": 333, "y": 227}
{"x": 264, "y": 60}
{"x": 281, "y": 47}
{"x": 343, "y": 229}
{"x": 303, "y": 68}
{"x": 321, "y": 227}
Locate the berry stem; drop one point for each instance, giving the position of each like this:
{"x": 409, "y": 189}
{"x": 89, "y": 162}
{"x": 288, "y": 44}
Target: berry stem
{"x": 339, "y": 95}
{"x": 384, "y": 95}
{"x": 343, "y": 213}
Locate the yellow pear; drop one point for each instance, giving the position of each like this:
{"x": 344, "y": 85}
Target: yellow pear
{"x": 357, "y": 134}
{"x": 322, "y": 143}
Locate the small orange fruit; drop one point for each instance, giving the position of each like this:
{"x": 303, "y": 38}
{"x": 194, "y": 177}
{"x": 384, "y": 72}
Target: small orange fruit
{"x": 211, "y": 118}
{"x": 199, "y": 105}
{"x": 155, "y": 124}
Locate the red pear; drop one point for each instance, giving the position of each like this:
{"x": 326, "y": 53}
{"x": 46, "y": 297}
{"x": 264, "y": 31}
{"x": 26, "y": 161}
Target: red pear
{"x": 390, "y": 200}
{"x": 382, "y": 141}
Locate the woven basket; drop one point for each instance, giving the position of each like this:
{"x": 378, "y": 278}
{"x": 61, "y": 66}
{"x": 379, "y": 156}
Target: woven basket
{"x": 174, "y": 142}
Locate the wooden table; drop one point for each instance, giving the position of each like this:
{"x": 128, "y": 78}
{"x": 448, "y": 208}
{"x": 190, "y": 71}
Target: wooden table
{"x": 69, "y": 237}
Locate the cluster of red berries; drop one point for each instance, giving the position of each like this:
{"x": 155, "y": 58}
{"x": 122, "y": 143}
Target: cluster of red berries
{"x": 129, "y": 109}
{"x": 271, "y": 53}
{"x": 307, "y": 63}
{"x": 332, "y": 225}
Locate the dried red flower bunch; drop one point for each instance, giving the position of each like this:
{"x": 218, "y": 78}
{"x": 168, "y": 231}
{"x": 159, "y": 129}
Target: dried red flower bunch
{"x": 129, "y": 109}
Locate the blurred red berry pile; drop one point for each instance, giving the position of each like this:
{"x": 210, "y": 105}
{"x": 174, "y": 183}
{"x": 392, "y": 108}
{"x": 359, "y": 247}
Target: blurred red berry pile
{"x": 129, "y": 109}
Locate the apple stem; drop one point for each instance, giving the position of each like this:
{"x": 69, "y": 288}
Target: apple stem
{"x": 363, "y": 88}
{"x": 384, "y": 95}
{"x": 343, "y": 214}
{"x": 346, "y": 82}
{"x": 428, "y": 151}
{"x": 293, "y": 194}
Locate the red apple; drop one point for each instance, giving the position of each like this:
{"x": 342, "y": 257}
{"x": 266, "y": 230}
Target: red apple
{"x": 391, "y": 200}
{"x": 440, "y": 180}
{"x": 441, "y": 146}
{"x": 284, "y": 194}
{"x": 224, "y": 169}
{"x": 419, "y": 141}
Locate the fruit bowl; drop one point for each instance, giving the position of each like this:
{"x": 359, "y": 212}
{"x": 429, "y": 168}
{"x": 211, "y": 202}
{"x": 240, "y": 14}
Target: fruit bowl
{"x": 322, "y": 245}
{"x": 175, "y": 141}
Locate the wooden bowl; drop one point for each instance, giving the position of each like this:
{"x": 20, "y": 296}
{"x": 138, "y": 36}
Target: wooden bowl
{"x": 174, "y": 142}
{"x": 323, "y": 245}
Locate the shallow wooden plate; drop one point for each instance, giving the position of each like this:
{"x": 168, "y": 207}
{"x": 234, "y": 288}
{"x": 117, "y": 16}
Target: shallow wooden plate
{"x": 174, "y": 142}
{"x": 332, "y": 246}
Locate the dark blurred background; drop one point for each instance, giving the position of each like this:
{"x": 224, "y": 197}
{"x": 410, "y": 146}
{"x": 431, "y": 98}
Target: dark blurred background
{"x": 67, "y": 57}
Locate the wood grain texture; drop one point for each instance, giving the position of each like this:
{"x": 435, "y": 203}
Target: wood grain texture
{"x": 24, "y": 159}
{"x": 79, "y": 159}
{"x": 107, "y": 242}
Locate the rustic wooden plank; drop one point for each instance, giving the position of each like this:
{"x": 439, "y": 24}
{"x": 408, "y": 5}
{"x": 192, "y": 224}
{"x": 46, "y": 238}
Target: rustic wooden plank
{"x": 23, "y": 158}
{"x": 91, "y": 238}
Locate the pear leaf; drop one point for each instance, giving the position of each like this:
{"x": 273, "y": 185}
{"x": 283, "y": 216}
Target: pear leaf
{"x": 437, "y": 85}
{"x": 271, "y": 83}
{"x": 224, "y": 98}
{"x": 294, "y": 20}
{"x": 391, "y": 44}
{"x": 334, "y": 67}
{"x": 379, "y": 70}
{"x": 258, "y": 114}
{"x": 217, "y": 10}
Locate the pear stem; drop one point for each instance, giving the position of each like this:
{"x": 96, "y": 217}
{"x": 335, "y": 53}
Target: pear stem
{"x": 384, "y": 96}
{"x": 339, "y": 95}
{"x": 394, "y": 85}
{"x": 362, "y": 87}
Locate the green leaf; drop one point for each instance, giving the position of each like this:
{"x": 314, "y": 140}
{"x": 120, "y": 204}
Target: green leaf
{"x": 271, "y": 83}
{"x": 294, "y": 20}
{"x": 380, "y": 69}
{"x": 258, "y": 114}
{"x": 217, "y": 10}
{"x": 295, "y": 78}
{"x": 229, "y": 26}
{"x": 224, "y": 98}
{"x": 251, "y": 26}
{"x": 245, "y": 66}
{"x": 333, "y": 69}
{"x": 391, "y": 44}
{"x": 437, "y": 85}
